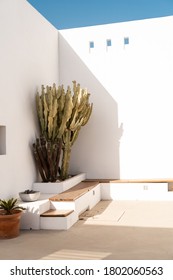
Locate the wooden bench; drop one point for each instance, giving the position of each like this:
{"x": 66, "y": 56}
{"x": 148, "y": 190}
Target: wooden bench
{"x": 162, "y": 180}
{"x": 75, "y": 192}
{"x": 169, "y": 181}
{"x": 142, "y": 181}
{"x": 69, "y": 195}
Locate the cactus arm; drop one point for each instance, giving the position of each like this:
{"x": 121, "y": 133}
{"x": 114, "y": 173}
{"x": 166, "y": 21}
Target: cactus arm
{"x": 66, "y": 154}
{"x": 68, "y": 105}
{"x": 40, "y": 112}
{"x": 87, "y": 115}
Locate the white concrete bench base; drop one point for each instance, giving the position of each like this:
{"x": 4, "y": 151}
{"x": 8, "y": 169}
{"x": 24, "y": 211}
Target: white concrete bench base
{"x": 33, "y": 216}
{"x": 135, "y": 191}
{"x": 59, "y": 223}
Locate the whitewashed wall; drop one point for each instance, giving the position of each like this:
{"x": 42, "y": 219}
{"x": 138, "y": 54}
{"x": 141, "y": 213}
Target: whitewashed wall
{"x": 130, "y": 133}
{"x": 132, "y": 88}
{"x": 28, "y": 58}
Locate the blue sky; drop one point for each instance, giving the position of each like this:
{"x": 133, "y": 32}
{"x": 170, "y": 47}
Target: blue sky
{"x": 78, "y": 13}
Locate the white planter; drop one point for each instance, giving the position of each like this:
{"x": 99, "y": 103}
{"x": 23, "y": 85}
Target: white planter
{"x": 29, "y": 196}
{"x": 59, "y": 187}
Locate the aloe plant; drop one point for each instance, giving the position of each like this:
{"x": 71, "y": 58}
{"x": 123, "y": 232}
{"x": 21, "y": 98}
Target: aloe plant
{"x": 8, "y": 206}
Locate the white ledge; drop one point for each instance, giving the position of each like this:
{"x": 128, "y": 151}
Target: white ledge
{"x": 59, "y": 187}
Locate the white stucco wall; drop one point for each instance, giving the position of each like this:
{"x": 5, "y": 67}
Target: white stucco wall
{"x": 28, "y": 58}
{"x": 131, "y": 87}
{"x": 130, "y": 132}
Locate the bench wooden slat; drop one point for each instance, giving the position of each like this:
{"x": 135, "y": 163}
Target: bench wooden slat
{"x": 74, "y": 192}
{"x": 142, "y": 181}
{"x": 151, "y": 180}
{"x": 56, "y": 213}
{"x": 154, "y": 180}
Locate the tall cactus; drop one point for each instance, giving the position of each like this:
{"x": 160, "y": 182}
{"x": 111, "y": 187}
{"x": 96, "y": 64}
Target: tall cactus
{"x": 61, "y": 115}
{"x": 54, "y": 109}
{"x": 81, "y": 112}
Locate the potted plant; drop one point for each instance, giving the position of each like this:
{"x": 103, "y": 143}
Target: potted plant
{"x": 29, "y": 195}
{"x": 61, "y": 115}
{"x": 10, "y": 214}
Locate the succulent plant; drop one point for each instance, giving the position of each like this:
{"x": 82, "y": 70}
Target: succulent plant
{"x": 9, "y": 206}
{"x": 29, "y": 191}
{"x": 61, "y": 115}
{"x": 81, "y": 112}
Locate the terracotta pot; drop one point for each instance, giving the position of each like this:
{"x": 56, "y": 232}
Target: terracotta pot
{"x": 10, "y": 224}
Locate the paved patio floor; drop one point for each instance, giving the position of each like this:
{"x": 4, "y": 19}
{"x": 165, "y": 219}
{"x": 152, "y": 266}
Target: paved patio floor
{"x": 121, "y": 230}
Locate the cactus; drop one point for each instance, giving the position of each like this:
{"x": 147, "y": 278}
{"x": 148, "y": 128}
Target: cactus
{"x": 47, "y": 156}
{"x": 80, "y": 115}
{"x": 61, "y": 115}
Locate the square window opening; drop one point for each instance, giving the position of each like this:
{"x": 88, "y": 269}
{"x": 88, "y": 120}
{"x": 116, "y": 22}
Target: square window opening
{"x": 91, "y": 45}
{"x": 109, "y": 43}
{"x": 126, "y": 40}
{"x": 2, "y": 140}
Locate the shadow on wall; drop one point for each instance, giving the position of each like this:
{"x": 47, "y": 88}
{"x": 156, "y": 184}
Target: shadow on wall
{"x": 96, "y": 151}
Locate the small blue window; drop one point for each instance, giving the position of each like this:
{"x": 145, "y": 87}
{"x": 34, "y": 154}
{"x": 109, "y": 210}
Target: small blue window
{"x": 91, "y": 44}
{"x": 109, "y": 43}
{"x": 126, "y": 40}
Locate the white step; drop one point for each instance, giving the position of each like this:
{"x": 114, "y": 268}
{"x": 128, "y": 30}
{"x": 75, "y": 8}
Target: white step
{"x": 30, "y": 218}
{"x": 58, "y": 219}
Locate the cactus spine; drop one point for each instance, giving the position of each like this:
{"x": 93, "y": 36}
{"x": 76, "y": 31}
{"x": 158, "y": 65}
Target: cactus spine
{"x": 61, "y": 115}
